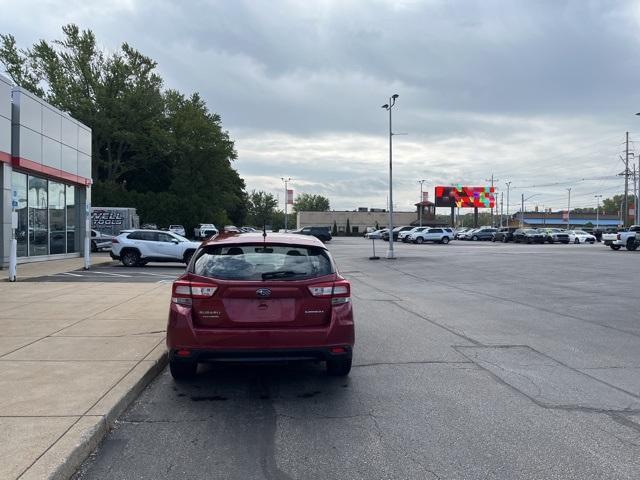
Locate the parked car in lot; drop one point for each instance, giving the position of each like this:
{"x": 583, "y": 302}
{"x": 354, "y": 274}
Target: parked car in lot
{"x": 554, "y": 235}
{"x": 625, "y": 238}
{"x": 528, "y": 235}
{"x": 580, "y": 236}
{"x": 437, "y": 235}
{"x": 245, "y": 298}
{"x": 404, "y": 235}
{"x": 396, "y": 232}
{"x": 138, "y": 247}
{"x": 99, "y": 241}
{"x": 149, "y": 226}
{"x": 376, "y": 234}
{"x": 177, "y": 229}
{"x": 481, "y": 234}
{"x": 321, "y": 233}
{"x": 464, "y": 234}
{"x": 504, "y": 235}
{"x": 459, "y": 231}
{"x": 205, "y": 230}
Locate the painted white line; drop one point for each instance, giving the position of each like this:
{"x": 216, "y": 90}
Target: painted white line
{"x": 112, "y": 274}
{"x": 155, "y": 274}
{"x": 67, "y": 273}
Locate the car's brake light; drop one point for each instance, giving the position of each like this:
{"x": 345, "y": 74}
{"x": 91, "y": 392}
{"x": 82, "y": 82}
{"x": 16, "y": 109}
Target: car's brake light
{"x": 114, "y": 240}
{"x": 618, "y": 237}
{"x": 339, "y": 292}
{"x": 184, "y": 291}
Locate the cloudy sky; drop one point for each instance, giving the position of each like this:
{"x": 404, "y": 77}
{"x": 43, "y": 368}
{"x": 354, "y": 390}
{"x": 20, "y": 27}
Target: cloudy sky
{"x": 539, "y": 93}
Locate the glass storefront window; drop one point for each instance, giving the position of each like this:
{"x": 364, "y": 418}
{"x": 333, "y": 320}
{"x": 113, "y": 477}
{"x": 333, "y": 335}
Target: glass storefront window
{"x": 71, "y": 219}
{"x": 19, "y": 186}
{"x": 38, "y": 221}
{"x": 57, "y": 224}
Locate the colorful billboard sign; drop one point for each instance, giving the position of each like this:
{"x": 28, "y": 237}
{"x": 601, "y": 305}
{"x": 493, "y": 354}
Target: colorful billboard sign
{"x": 465, "y": 197}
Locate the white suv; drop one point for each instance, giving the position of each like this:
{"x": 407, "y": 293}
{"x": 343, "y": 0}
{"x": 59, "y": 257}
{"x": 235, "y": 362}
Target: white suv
{"x": 439, "y": 235}
{"x": 138, "y": 247}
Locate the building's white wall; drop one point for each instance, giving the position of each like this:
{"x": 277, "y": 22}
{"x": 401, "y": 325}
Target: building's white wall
{"x": 5, "y": 115}
{"x": 45, "y": 135}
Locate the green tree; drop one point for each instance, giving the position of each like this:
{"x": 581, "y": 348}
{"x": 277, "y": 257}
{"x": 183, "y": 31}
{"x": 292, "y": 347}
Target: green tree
{"x": 261, "y": 208}
{"x": 310, "y": 203}
{"x": 159, "y": 151}
{"x": 334, "y": 230}
{"x": 611, "y": 206}
{"x": 348, "y": 229}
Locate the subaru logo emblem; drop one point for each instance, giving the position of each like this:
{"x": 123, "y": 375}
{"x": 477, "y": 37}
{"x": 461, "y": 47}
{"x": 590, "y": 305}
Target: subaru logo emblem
{"x": 263, "y": 292}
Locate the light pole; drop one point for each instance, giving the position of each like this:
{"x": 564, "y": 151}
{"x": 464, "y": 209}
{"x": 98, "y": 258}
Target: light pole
{"x": 286, "y": 199}
{"x": 389, "y": 107}
{"x": 598, "y": 197}
{"x": 420, "y": 205}
{"x": 508, "y": 184}
{"x": 569, "y": 209}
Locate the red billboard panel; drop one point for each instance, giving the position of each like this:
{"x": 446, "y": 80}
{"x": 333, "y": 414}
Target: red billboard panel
{"x": 465, "y": 197}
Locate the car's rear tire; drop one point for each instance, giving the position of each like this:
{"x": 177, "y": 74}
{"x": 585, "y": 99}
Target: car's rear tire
{"x": 130, "y": 258}
{"x": 339, "y": 366}
{"x": 94, "y": 246}
{"x": 576, "y": 241}
{"x": 419, "y": 240}
{"x": 183, "y": 369}
{"x": 504, "y": 239}
{"x": 631, "y": 245}
{"x": 445, "y": 240}
{"x": 475, "y": 238}
{"x": 615, "y": 247}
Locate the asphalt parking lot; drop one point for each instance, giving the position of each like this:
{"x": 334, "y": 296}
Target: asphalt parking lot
{"x": 472, "y": 360}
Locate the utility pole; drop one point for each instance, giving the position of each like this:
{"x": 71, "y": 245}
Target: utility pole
{"x": 522, "y": 212}
{"x": 569, "y": 209}
{"x": 491, "y": 180}
{"x": 626, "y": 182}
{"x": 420, "y": 206}
{"x": 635, "y": 196}
{"x": 389, "y": 107}
{"x": 508, "y": 184}
{"x": 501, "y": 207}
{"x": 286, "y": 199}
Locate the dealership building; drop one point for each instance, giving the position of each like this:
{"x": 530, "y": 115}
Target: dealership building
{"x": 45, "y": 173}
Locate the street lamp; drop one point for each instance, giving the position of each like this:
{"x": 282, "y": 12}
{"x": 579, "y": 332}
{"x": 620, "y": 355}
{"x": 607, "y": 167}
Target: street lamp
{"x": 389, "y": 107}
{"x": 569, "y": 209}
{"x": 508, "y": 184}
{"x": 598, "y": 197}
{"x": 286, "y": 199}
{"x": 522, "y": 208}
{"x": 420, "y": 205}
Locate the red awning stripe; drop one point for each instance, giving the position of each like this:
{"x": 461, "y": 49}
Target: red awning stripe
{"x": 5, "y": 157}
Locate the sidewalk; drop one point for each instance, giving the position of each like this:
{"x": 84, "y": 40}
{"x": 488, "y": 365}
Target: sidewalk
{"x": 72, "y": 357}
{"x": 51, "y": 267}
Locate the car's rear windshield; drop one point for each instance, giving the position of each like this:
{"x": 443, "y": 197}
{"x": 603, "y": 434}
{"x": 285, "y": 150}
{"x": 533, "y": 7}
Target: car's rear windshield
{"x": 263, "y": 262}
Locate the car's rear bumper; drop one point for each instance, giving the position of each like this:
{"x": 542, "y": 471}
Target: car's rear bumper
{"x": 258, "y": 355}
{"x": 211, "y": 343}
{"x": 114, "y": 256}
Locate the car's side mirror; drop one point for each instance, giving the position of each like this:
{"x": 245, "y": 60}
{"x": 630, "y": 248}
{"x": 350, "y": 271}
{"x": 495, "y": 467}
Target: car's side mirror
{"x": 175, "y": 240}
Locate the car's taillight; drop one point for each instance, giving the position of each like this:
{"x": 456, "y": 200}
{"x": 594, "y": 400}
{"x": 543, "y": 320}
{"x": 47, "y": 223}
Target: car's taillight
{"x": 114, "y": 240}
{"x": 339, "y": 292}
{"x": 618, "y": 237}
{"x": 184, "y": 291}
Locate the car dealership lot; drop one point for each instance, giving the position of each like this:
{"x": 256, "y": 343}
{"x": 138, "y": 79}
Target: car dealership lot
{"x": 472, "y": 360}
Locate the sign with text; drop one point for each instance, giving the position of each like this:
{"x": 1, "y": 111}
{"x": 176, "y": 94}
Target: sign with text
{"x": 289, "y": 197}
{"x": 465, "y": 197}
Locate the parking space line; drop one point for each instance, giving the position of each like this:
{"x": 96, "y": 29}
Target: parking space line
{"x": 67, "y": 273}
{"x": 112, "y": 274}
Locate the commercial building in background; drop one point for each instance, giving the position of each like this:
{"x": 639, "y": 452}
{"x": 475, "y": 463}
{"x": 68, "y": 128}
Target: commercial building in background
{"x": 588, "y": 221}
{"x": 112, "y": 220}
{"x": 45, "y": 173}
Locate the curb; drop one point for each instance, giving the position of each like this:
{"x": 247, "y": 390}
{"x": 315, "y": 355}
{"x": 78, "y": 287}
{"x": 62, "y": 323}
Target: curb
{"x": 71, "y": 457}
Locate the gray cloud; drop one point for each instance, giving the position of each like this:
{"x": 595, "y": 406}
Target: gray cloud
{"x": 536, "y": 92}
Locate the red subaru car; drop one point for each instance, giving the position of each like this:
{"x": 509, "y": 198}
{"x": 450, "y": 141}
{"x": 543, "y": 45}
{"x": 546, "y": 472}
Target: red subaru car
{"x": 260, "y": 297}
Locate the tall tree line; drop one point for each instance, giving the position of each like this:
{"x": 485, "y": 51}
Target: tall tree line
{"x": 155, "y": 149}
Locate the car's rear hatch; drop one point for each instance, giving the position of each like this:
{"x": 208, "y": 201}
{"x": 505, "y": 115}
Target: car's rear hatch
{"x": 271, "y": 287}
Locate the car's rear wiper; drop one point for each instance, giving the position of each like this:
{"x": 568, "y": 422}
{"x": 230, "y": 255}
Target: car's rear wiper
{"x": 280, "y": 274}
